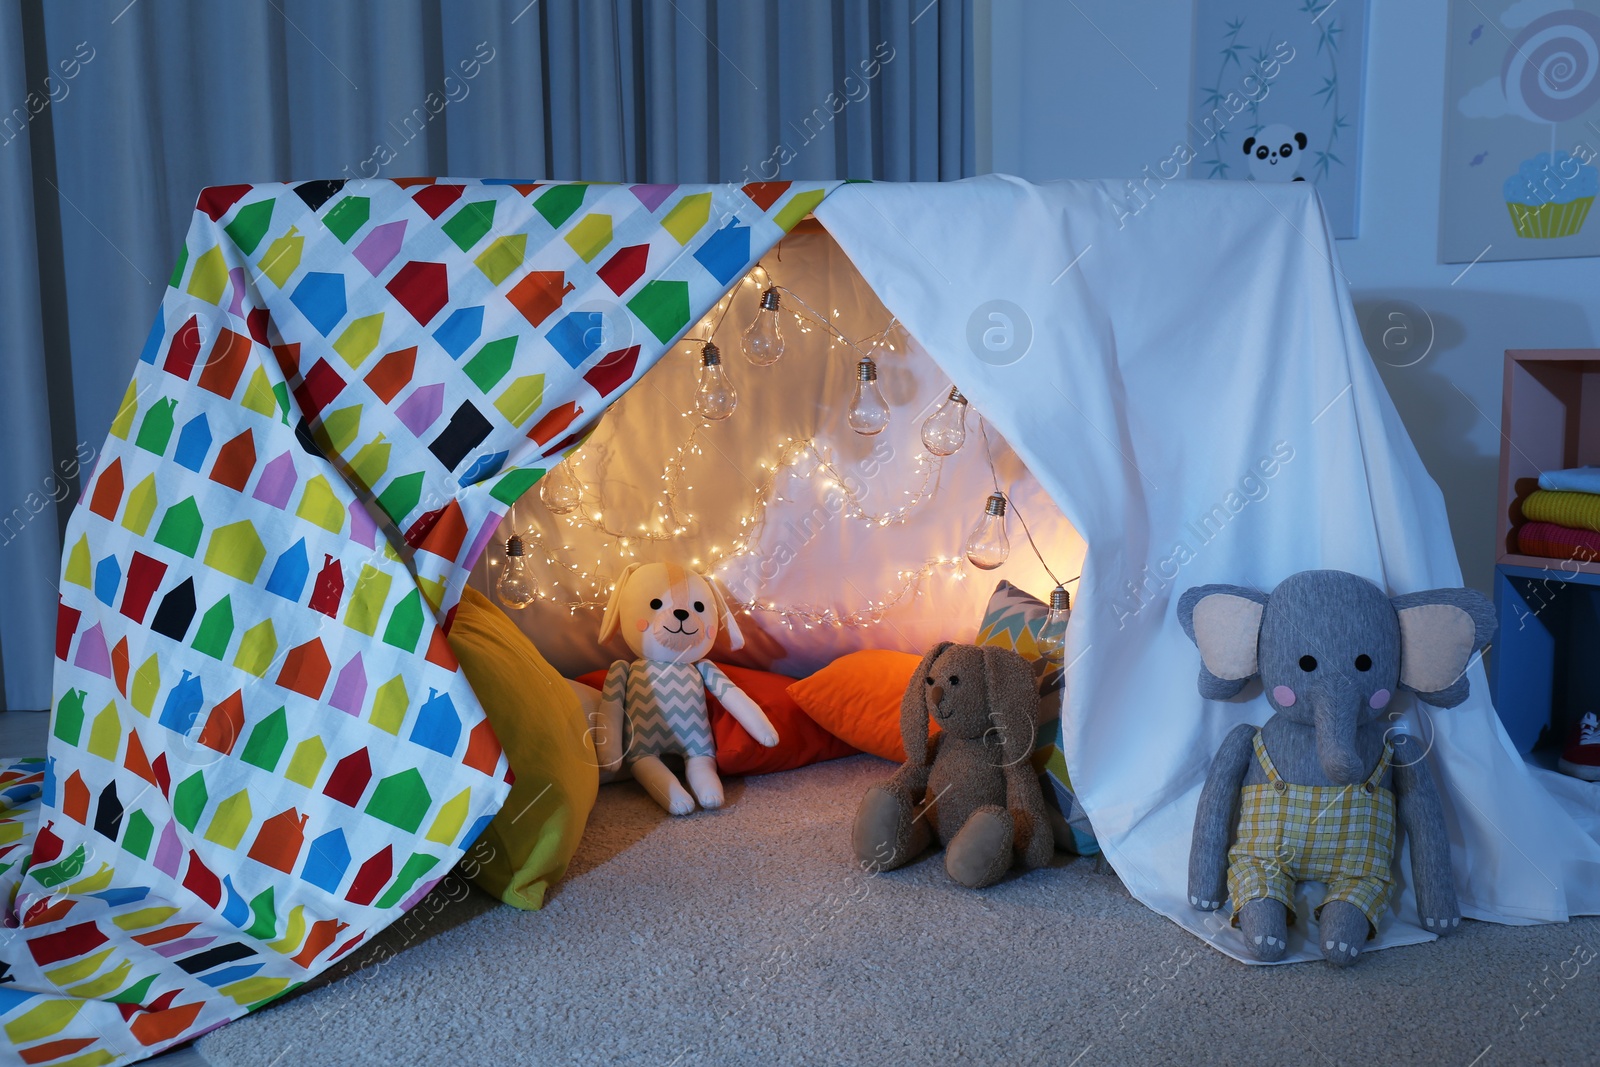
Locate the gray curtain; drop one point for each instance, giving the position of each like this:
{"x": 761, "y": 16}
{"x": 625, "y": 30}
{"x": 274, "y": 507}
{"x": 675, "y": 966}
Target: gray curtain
{"x": 113, "y": 115}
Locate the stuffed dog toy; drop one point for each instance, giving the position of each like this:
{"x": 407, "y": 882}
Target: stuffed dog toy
{"x": 977, "y": 791}
{"x": 670, "y": 616}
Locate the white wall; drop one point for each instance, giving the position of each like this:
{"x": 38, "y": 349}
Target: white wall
{"x": 1100, "y": 88}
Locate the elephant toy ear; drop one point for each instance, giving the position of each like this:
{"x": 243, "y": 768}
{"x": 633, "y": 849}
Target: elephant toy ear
{"x": 1224, "y": 622}
{"x": 1440, "y": 631}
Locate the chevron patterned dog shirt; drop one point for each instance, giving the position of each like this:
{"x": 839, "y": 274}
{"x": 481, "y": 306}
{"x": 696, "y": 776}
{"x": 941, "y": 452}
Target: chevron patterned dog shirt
{"x": 666, "y": 705}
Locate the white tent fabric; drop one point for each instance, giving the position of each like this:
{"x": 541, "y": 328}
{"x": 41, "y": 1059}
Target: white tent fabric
{"x": 1184, "y": 374}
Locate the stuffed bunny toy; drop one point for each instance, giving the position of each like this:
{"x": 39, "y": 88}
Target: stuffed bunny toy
{"x": 1314, "y": 794}
{"x": 976, "y": 790}
{"x": 670, "y": 617}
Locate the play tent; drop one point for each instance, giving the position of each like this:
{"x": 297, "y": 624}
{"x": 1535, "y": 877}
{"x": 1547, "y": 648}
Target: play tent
{"x": 262, "y": 751}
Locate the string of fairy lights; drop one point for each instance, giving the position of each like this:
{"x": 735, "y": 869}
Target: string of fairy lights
{"x": 578, "y": 501}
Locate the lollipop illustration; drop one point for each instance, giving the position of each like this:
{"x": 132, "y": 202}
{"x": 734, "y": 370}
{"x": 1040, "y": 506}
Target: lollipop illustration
{"x": 1551, "y": 74}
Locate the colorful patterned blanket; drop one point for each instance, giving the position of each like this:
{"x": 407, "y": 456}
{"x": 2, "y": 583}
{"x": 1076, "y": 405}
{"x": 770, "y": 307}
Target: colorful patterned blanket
{"x": 262, "y": 750}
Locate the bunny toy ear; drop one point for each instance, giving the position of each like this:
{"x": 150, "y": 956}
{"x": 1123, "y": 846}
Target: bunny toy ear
{"x": 914, "y": 708}
{"x": 724, "y": 615}
{"x": 610, "y": 621}
{"x": 1013, "y": 692}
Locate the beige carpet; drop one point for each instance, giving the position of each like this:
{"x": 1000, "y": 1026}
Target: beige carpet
{"x": 745, "y": 936}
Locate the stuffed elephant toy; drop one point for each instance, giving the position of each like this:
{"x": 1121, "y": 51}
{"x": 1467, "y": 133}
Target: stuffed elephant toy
{"x": 974, "y": 788}
{"x": 1314, "y": 794}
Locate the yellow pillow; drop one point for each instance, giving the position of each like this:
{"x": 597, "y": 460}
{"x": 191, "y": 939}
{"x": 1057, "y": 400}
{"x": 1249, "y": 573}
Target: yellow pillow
{"x": 526, "y": 847}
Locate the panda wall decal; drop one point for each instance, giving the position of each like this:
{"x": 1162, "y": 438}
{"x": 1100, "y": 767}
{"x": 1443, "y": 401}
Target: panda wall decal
{"x": 1275, "y": 154}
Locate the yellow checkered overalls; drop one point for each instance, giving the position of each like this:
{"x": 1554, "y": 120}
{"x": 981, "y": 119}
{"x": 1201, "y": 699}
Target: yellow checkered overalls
{"x": 1342, "y": 836}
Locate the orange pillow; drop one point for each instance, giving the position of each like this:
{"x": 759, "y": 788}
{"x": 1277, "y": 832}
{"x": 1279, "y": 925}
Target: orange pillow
{"x": 800, "y": 741}
{"x": 857, "y": 699}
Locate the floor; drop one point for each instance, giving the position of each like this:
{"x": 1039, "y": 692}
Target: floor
{"x": 694, "y": 940}
{"x": 747, "y": 935}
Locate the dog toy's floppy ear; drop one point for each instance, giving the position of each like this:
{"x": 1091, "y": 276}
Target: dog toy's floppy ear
{"x": 724, "y": 616}
{"x": 1224, "y": 621}
{"x": 610, "y": 621}
{"x": 914, "y": 708}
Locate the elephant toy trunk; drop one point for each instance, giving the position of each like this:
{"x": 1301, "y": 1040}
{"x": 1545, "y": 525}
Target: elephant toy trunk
{"x": 1337, "y": 717}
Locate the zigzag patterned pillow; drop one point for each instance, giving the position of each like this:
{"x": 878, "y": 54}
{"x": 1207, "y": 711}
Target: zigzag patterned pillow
{"x": 1015, "y": 620}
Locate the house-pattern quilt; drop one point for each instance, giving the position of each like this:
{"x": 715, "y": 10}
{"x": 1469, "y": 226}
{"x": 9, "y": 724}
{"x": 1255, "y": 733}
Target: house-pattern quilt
{"x": 262, "y": 750}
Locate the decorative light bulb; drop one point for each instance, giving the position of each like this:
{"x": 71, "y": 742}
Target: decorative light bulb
{"x": 517, "y": 587}
{"x": 716, "y": 397}
{"x": 559, "y": 489}
{"x": 945, "y": 431}
{"x": 987, "y": 544}
{"x": 869, "y": 412}
{"x": 763, "y": 341}
{"x": 1053, "y": 634}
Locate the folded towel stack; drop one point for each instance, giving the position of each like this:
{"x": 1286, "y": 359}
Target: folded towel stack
{"x": 1574, "y": 479}
{"x": 1563, "y": 516}
{"x": 1558, "y": 542}
{"x": 1577, "y": 511}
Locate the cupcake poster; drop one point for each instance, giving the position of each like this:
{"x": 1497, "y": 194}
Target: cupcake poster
{"x": 1522, "y": 131}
